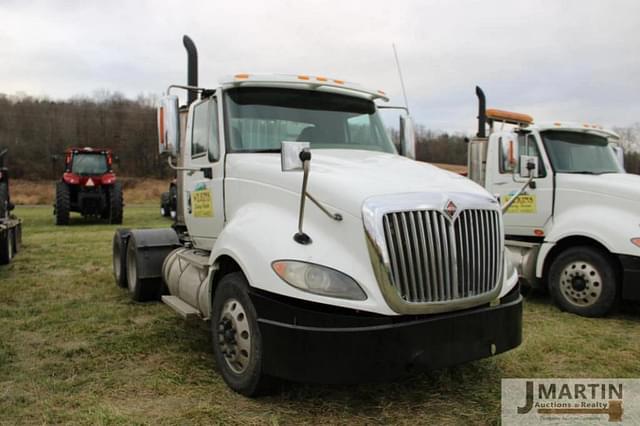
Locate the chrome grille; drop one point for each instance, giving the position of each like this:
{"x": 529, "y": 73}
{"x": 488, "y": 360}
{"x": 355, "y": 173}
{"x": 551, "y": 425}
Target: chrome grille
{"x": 433, "y": 259}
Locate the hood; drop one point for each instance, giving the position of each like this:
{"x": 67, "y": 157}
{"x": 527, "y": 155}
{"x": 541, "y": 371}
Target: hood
{"x": 345, "y": 178}
{"x": 621, "y": 185}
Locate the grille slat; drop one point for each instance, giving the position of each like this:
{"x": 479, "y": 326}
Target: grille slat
{"x": 436, "y": 260}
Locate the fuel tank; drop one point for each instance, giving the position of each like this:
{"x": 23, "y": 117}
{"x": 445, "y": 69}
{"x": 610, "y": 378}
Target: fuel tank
{"x": 186, "y": 273}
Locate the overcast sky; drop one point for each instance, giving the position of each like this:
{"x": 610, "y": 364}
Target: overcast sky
{"x": 557, "y": 60}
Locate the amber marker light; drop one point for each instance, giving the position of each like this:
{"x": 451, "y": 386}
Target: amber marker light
{"x": 636, "y": 241}
{"x": 241, "y": 76}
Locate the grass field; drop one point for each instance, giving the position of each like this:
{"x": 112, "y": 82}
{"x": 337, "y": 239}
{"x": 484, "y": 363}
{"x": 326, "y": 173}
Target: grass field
{"x": 75, "y": 349}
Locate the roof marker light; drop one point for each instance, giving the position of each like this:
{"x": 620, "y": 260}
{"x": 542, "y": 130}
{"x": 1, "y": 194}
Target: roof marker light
{"x": 303, "y": 77}
{"x": 319, "y": 78}
{"x": 241, "y": 76}
{"x": 338, "y": 81}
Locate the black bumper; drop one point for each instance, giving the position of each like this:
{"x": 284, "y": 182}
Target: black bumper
{"x": 630, "y": 277}
{"x": 305, "y": 344}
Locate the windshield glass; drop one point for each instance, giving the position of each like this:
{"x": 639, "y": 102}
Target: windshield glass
{"x": 575, "y": 152}
{"x": 89, "y": 164}
{"x": 260, "y": 118}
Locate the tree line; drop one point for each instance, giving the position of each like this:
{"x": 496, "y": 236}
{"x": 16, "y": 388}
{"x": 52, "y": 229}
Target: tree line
{"x": 35, "y": 129}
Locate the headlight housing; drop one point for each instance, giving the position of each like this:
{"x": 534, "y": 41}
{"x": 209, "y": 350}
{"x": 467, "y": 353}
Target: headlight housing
{"x": 318, "y": 279}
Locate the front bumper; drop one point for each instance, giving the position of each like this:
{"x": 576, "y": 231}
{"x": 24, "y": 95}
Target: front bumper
{"x": 312, "y": 343}
{"x": 630, "y": 277}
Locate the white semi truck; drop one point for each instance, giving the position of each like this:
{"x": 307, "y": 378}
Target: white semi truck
{"x": 317, "y": 253}
{"x": 574, "y": 225}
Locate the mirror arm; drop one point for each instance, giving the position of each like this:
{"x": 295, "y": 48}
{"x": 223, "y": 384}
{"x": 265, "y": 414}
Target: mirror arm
{"x": 300, "y": 237}
{"x": 508, "y": 204}
{"x": 208, "y": 172}
{"x": 334, "y": 216}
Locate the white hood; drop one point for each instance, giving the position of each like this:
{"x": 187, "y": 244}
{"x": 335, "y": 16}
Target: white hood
{"x": 345, "y": 178}
{"x": 620, "y": 185}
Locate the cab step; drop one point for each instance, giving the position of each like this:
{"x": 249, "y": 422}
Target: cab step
{"x": 183, "y": 309}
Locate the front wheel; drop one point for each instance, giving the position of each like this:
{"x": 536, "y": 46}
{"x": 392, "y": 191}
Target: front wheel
{"x": 237, "y": 342}
{"x": 582, "y": 280}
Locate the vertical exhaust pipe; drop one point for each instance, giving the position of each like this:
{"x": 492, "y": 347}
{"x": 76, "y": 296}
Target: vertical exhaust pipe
{"x": 482, "y": 113}
{"x": 192, "y": 67}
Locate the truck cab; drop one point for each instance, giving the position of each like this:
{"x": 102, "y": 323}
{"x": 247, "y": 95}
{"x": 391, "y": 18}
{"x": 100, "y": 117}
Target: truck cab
{"x": 573, "y": 226}
{"x": 315, "y": 251}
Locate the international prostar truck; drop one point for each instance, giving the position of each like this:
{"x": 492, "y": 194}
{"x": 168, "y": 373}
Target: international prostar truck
{"x": 574, "y": 227}
{"x": 315, "y": 251}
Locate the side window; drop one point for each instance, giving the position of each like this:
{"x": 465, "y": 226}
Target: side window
{"x": 204, "y": 133}
{"x": 214, "y": 146}
{"x": 507, "y": 161}
{"x": 199, "y": 131}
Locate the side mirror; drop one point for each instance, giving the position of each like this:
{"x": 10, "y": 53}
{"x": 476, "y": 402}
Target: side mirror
{"x": 407, "y": 137}
{"x": 168, "y": 125}
{"x": 619, "y": 154}
{"x": 508, "y": 152}
{"x": 528, "y": 166}
{"x": 290, "y": 156}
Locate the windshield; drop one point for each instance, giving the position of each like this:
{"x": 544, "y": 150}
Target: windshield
{"x": 575, "y": 152}
{"x": 89, "y": 164}
{"x": 261, "y": 118}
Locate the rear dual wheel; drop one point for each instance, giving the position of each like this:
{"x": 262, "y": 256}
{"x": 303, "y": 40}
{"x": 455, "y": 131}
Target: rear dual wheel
{"x": 7, "y": 245}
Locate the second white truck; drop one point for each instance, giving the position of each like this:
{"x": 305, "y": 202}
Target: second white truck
{"x": 575, "y": 226}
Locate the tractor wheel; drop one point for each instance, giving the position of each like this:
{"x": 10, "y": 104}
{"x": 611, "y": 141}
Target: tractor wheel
{"x": 237, "y": 342}
{"x": 63, "y": 203}
{"x": 582, "y": 280}
{"x": 165, "y": 204}
{"x": 115, "y": 204}
{"x": 4, "y": 200}
{"x": 6, "y": 246}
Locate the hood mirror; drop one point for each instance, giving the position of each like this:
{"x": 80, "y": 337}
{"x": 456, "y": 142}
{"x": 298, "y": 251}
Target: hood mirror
{"x": 296, "y": 156}
{"x": 528, "y": 166}
{"x": 407, "y": 137}
{"x": 290, "y": 156}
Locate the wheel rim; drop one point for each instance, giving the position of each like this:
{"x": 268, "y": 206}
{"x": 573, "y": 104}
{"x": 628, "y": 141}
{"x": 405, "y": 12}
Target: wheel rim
{"x": 581, "y": 284}
{"x": 234, "y": 336}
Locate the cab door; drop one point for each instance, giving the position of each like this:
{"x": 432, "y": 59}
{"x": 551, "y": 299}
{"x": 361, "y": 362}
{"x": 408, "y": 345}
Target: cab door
{"x": 532, "y": 211}
{"x": 204, "y": 174}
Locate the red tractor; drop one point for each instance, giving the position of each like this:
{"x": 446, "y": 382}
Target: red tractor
{"x": 88, "y": 186}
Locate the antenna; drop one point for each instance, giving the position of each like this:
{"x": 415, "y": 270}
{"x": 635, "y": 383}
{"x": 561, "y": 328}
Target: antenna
{"x": 404, "y": 92}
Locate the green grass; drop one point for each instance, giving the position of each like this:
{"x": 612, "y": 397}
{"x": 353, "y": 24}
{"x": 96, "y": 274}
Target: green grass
{"x": 75, "y": 349}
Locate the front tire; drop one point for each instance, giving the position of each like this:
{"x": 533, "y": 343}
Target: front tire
{"x": 582, "y": 281}
{"x": 63, "y": 203}
{"x": 237, "y": 342}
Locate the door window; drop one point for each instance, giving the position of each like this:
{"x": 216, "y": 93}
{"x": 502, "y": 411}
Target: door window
{"x": 204, "y": 132}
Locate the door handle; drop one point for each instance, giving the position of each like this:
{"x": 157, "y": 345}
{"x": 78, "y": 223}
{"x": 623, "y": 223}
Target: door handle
{"x": 189, "y": 202}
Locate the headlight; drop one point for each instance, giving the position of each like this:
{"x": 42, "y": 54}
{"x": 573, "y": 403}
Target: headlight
{"x": 318, "y": 279}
